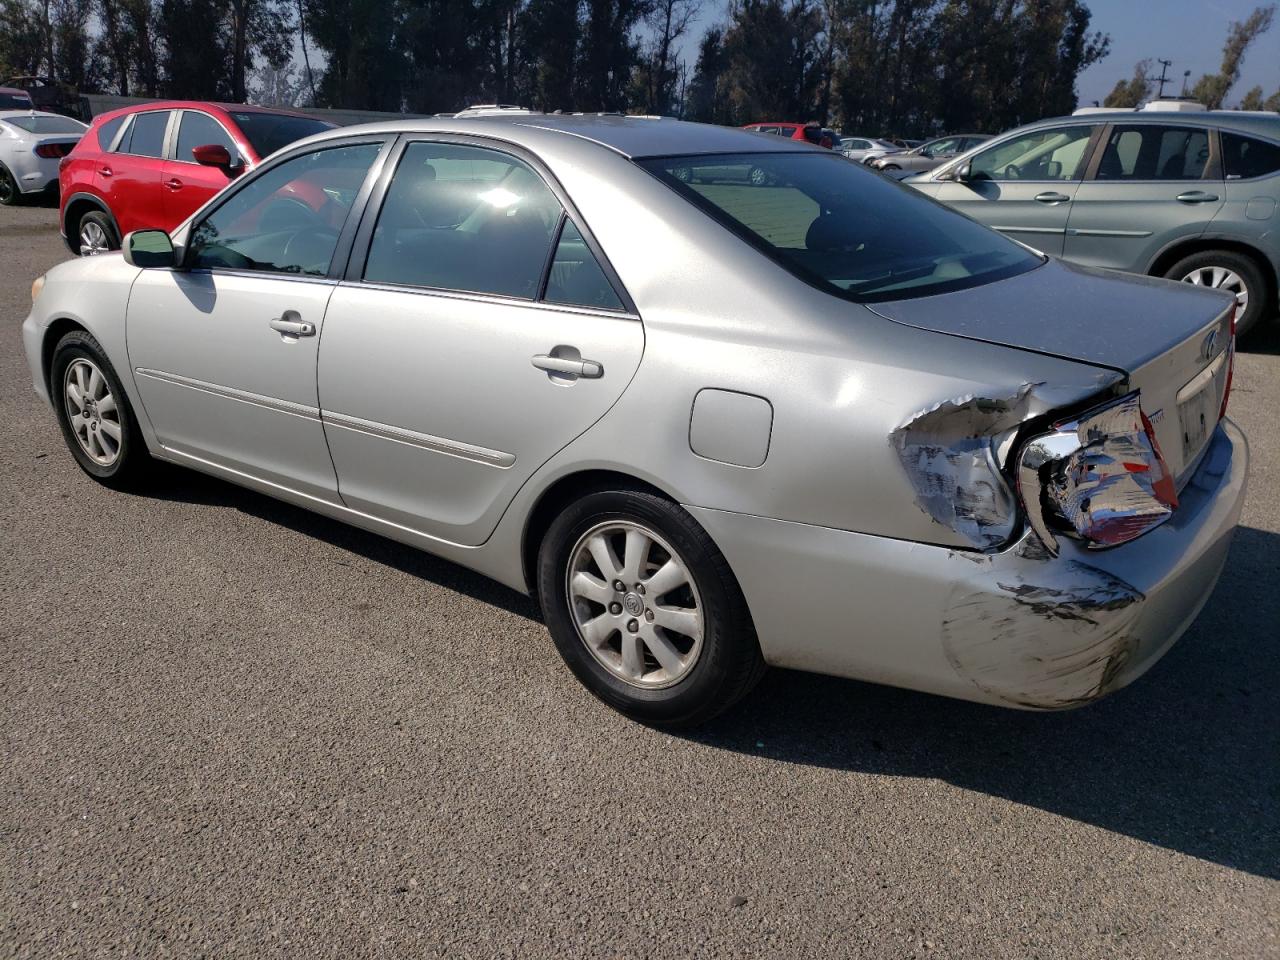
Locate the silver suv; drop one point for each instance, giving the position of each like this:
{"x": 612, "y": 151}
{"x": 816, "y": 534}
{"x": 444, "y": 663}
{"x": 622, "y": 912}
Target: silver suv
{"x": 1190, "y": 196}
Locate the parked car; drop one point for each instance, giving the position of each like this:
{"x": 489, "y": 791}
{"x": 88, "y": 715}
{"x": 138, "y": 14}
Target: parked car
{"x": 821, "y": 421}
{"x": 862, "y": 149}
{"x": 1189, "y": 196}
{"x": 12, "y": 98}
{"x": 49, "y": 95}
{"x": 809, "y": 132}
{"x": 926, "y": 156}
{"x": 31, "y": 145}
{"x": 153, "y": 164}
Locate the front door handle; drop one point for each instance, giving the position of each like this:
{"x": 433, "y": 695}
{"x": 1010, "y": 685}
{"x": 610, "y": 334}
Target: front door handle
{"x": 173, "y": 183}
{"x": 587, "y": 369}
{"x": 290, "y": 324}
{"x": 1196, "y": 196}
{"x": 1051, "y": 198}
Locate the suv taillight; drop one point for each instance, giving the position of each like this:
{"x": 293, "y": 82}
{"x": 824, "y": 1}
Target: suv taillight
{"x": 1099, "y": 478}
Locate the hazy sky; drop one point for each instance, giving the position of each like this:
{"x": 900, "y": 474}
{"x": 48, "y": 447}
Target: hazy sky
{"x": 1188, "y": 32}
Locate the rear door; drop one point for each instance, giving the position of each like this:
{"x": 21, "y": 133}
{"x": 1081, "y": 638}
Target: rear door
{"x": 187, "y": 184}
{"x": 479, "y": 330}
{"x": 1024, "y": 186}
{"x": 1149, "y": 185}
{"x": 130, "y": 177}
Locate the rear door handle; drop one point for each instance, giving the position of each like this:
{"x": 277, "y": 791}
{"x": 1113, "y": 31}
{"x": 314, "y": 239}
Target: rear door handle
{"x": 173, "y": 183}
{"x": 1051, "y": 198}
{"x": 105, "y": 171}
{"x": 291, "y": 324}
{"x": 1196, "y": 196}
{"x": 587, "y": 369}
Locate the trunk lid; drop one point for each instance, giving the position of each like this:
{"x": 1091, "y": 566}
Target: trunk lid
{"x": 1170, "y": 340}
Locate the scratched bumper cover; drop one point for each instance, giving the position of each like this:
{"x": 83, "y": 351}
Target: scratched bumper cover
{"x": 1017, "y": 628}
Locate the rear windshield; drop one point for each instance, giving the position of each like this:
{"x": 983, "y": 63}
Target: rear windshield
{"x": 9, "y": 100}
{"x": 268, "y": 132}
{"x": 841, "y": 227}
{"x": 47, "y": 124}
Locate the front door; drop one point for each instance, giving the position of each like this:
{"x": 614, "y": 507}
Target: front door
{"x": 1024, "y": 186}
{"x": 1152, "y": 184}
{"x": 189, "y": 185}
{"x": 478, "y": 336}
{"x": 224, "y": 352}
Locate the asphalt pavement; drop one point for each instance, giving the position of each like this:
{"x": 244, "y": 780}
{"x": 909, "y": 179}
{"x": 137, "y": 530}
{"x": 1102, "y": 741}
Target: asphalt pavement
{"x": 233, "y": 728}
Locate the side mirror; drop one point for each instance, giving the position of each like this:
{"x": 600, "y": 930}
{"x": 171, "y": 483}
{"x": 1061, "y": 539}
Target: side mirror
{"x": 216, "y": 155}
{"x": 962, "y": 174}
{"x": 149, "y": 248}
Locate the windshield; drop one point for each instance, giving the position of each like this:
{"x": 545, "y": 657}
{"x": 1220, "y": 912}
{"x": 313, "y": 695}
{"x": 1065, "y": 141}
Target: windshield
{"x": 47, "y": 124}
{"x": 841, "y": 227}
{"x": 268, "y": 132}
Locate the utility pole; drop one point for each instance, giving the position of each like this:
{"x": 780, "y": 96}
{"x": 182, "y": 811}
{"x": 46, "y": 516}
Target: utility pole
{"x": 1164, "y": 65}
{"x": 1185, "y": 77}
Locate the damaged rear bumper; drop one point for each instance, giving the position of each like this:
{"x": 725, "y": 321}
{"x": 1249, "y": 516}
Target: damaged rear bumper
{"x": 1018, "y": 628}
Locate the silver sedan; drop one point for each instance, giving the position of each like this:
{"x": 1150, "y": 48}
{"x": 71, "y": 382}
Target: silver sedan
{"x": 712, "y": 420}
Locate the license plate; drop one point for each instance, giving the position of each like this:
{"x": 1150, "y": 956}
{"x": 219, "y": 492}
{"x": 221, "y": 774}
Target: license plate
{"x": 1197, "y": 415}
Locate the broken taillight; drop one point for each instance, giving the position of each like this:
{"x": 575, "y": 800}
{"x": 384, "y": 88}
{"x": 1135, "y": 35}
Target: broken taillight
{"x": 1099, "y": 478}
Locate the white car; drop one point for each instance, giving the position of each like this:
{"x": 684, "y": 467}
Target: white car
{"x": 862, "y": 149}
{"x": 31, "y": 145}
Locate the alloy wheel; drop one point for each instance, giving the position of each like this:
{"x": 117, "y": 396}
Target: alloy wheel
{"x": 1221, "y": 278}
{"x": 635, "y": 604}
{"x": 8, "y": 189}
{"x": 93, "y": 239}
{"x": 92, "y": 412}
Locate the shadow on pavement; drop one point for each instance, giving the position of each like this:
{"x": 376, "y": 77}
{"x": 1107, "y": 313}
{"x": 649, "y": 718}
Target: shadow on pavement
{"x": 1187, "y": 758}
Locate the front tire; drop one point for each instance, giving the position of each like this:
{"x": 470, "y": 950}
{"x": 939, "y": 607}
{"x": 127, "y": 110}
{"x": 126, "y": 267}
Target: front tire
{"x": 1229, "y": 271}
{"x": 96, "y": 419}
{"x": 644, "y": 609}
{"x": 96, "y": 234}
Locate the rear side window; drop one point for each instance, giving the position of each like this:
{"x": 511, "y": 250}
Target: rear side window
{"x": 576, "y": 277}
{"x": 1245, "y": 157}
{"x": 464, "y": 218}
{"x": 199, "y": 130}
{"x": 1154, "y": 153}
{"x": 146, "y": 138}
{"x": 107, "y": 132}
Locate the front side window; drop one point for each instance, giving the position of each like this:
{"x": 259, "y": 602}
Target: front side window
{"x": 269, "y": 132}
{"x": 198, "y": 130}
{"x": 464, "y": 218}
{"x": 146, "y": 137}
{"x": 843, "y": 228}
{"x": 1245, "y": 158}
{"x": 1038, "y": 155}
{"x": 287, "y": 219}
{"x": 941, "y": 148}
{"x": 1150, "y": 152}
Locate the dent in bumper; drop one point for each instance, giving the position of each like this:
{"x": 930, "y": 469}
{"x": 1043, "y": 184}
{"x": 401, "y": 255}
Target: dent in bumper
{"x": 1019, "y": 628}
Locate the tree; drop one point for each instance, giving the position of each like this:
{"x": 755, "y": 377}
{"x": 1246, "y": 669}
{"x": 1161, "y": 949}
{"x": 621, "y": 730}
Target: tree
{"x": 668, "y": 21}
{"x": 1132, "y": 92}
{"x": 607, "y": 52}
{"x": 1273, "y": 102}
{"x": 1252, "y": 100}
{"x": 706, "y": 101}
{"x": 1212, "y": 88}
{"x": 551, "y": 33}
{"x": 22, "y": 46}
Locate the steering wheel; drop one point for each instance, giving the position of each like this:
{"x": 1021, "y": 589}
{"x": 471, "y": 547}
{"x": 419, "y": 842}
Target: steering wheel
{"x": 321, "y": 238}
{"x": 1013, "y": 172}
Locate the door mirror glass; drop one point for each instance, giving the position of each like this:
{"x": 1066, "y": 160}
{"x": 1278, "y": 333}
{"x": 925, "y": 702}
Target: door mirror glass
{"x": 149, "y": 248}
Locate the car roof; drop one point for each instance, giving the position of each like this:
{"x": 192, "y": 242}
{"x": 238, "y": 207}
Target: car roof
{"x": 6, "y": 114}
{"x": 632, "y": 137}
{"x": 1266, "y": 124}
{"x": 201, "y": 105}
{"x": 18, "y": 90}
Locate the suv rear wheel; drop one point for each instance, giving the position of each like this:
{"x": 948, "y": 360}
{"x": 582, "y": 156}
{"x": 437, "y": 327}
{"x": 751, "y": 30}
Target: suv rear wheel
{"x": 1231, "y": 272}
{"x": 96, "y": 234}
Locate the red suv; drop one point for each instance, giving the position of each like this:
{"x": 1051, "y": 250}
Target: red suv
{"x": 155, "y": 164}
{"x": 809, "y": 132}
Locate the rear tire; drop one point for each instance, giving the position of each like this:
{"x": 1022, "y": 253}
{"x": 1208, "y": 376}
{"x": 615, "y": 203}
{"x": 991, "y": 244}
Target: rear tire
{"x": 676, "y": 646}
{"x": 95, "y": 233}
{"x": 1230, "y": 271}
{"x": 94, "y": 412}
{"x": 10, "y": 195}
